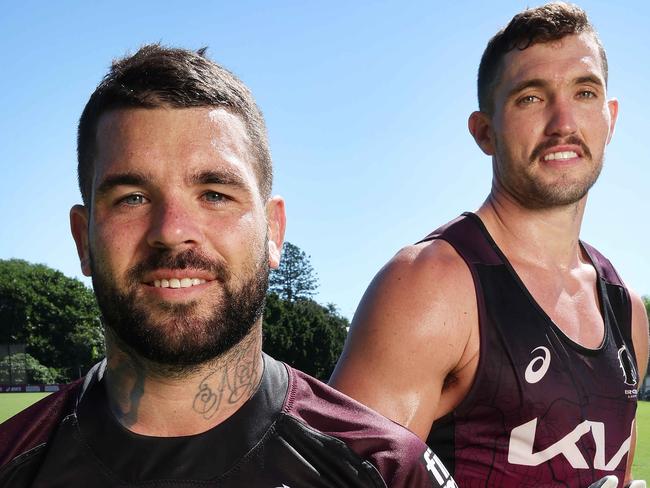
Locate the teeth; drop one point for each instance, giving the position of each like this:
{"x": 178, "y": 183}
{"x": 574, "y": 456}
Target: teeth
{"x": 560, "y": 155}
{"x": 178, "y": 283}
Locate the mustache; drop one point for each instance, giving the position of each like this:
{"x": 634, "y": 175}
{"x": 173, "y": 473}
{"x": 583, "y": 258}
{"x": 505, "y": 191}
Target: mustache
{"x": 573, "y": 140}
{"x": 188, "y": 259}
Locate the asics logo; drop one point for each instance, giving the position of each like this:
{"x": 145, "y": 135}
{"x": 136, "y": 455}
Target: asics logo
{"x": 538, "y": 367}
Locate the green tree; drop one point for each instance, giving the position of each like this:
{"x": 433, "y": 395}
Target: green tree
{"x": 54, "y": 315}
{"x": 295, "y": 278}
{"x": 304, "y": 334}
{"x": 22, "y": 364}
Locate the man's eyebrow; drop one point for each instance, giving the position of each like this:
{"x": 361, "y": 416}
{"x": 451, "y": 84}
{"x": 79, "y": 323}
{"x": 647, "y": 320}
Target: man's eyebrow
{"x": 525, "y": 84}
{"x": 594, "y": 80}
{"x": 122, "y": 179}
{"x": 540, "y": 83}
{"x": 230, "y": 178}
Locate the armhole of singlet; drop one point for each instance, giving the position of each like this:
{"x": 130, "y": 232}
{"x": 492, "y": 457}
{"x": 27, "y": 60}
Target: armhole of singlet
{"x": 482, "y": 317}
{"x": 569, "y": 342}
{"x": 605, "y": 271}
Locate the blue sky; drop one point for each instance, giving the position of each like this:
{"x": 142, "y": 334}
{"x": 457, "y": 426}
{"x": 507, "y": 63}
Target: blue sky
{"x": 366, "y": 105}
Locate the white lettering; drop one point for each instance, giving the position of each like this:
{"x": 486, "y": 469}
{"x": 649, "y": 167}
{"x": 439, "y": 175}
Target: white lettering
{"x": 430, "y": 459}
{"x": 438, "y": 469}
{"x": 522, "y": 439}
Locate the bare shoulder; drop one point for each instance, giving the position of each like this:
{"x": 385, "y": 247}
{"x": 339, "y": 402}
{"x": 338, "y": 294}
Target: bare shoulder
{"x": 431, "y": 272}
{"x": 640, "y": 332}
{"x": 420, "y": 292}
{"x": 409, "y": 334}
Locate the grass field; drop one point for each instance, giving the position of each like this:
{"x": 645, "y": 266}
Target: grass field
{"x": 641, "y": 466}
{"x": 12, "y": 403}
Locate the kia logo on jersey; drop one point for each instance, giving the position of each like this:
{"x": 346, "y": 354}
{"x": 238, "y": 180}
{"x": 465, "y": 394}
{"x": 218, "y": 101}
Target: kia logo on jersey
{"x": 521, "y": 449}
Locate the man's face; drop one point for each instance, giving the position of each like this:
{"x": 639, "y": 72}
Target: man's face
{"x": 178, "y": 241}
{"x": 551, "y": 122}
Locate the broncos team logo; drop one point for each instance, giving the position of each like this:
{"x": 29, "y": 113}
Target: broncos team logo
{"x": 625, "y": 362}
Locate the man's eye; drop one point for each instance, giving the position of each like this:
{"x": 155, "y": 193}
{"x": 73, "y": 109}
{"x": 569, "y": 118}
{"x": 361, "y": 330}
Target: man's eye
{"x": 527, "y": 100}
{"x": 213, "y": 197}
{"x": 586, "y": 94}
{"x": 135, "y": 199}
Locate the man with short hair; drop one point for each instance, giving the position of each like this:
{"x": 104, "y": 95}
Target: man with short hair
{"x": 502, "y": 339}
{"x": 178, "y": 231}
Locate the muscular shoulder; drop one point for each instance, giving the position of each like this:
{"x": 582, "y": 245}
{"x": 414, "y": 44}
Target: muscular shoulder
{"x": 409, "y": 334}
{"x": 428, "y": 256}
{"x": 428, "y": 281}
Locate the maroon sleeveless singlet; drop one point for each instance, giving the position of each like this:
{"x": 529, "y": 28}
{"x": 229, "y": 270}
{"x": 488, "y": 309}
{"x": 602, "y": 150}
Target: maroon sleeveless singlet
{"x": 543, "y": 410}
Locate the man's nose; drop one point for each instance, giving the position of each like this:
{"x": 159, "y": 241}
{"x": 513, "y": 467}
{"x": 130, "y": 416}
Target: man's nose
{"x": 173, "y": 226}
{"x": 562, "y": 120}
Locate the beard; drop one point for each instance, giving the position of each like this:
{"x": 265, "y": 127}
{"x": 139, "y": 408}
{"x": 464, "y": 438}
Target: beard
{"x": 177, "y": 337}
{"x": 532, "y": 191}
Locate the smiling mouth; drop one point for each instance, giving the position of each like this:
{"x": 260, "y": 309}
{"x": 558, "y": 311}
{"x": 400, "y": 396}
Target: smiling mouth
{"x": 177, "y": 283}
{"x": 560, "y": 156}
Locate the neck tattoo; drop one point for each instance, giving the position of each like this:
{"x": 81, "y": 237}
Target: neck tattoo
{"x": 228, "y": 385}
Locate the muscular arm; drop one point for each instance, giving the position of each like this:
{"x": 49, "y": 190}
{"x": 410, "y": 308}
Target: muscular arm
{"x": 640, "y": 340}
{"x": 414, "y": 330}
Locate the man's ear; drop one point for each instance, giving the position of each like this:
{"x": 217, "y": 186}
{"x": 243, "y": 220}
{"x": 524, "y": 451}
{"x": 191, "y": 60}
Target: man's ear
{"x": 79, "y": 228}
{"x": 480, "y": 126}
{"x": 612, "y": 106}
{"x": 277, "y": 222}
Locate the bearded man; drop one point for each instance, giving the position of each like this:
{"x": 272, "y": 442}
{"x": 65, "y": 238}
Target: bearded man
{"x": 178, "y": 231}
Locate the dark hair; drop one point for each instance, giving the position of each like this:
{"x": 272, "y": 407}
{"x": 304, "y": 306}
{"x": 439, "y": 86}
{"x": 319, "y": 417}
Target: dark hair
{"x": 547, "y": 23}
{"x": 158, "y": 76}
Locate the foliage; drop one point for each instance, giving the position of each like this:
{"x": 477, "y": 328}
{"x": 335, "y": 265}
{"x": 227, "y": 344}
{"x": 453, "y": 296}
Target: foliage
{"x": 304, "y": 334}
{"x": 21, "y": 362}
{"x": 295, "y": 278}
{"x": 55, "y": 316}
{"x": 646, "y": 302}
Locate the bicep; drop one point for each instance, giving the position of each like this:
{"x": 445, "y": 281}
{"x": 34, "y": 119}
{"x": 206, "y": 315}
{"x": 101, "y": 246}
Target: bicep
{"x": 386, "y": 363}
{"x": 405, "y": 338}
{"x": 640, "y": 333}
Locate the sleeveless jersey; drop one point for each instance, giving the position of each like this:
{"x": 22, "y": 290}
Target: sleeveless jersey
{"x": 542, "y": 410}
